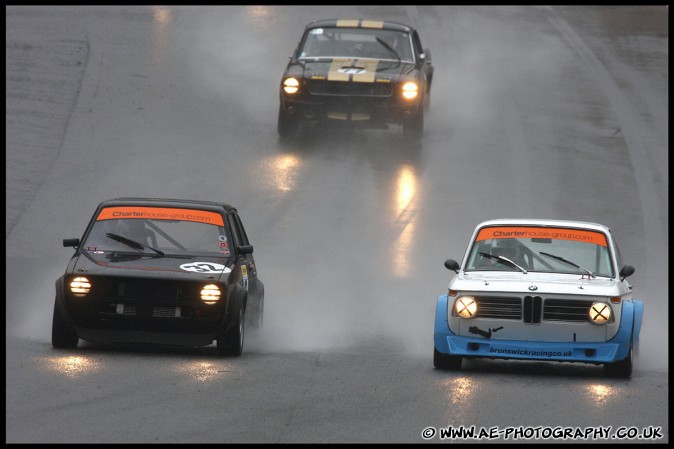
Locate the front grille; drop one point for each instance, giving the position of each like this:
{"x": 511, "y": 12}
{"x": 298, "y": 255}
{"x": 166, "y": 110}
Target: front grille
{"x": 566, "y": 310}
{"x": 322, "y": 87}
{"x": 532, "y": 309}
{"x": 131, "y": 289}
{"x": 167, "y": 312}
{"x": 502, "y": 308}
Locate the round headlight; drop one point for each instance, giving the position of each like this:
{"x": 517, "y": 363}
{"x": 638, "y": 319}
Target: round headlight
{"x": 80, "y": 286}
{"x": 291, "y": 85}
{"x": 410, "y": 90}
{"x": 465, "y": 307}
{"x": 210, "y": 294}
{"x": 600, "y": 313}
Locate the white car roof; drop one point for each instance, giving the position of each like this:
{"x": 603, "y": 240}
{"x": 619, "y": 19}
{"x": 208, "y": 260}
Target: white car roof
{"x": 545, "y": 222}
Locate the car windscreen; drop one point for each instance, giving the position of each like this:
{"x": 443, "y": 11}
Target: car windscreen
{"x": 344, "y": 42}
{"x": 171, "y": 231}
{"x": 541, "y": 249}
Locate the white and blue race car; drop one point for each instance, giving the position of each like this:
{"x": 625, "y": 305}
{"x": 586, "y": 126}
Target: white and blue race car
{"x": 532, "y": 289}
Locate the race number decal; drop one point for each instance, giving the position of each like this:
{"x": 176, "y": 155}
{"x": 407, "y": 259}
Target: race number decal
{"x": 205, "y": 267}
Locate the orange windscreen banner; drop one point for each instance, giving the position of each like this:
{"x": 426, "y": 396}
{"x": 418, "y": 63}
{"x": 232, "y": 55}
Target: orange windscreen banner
{"x": 161, "y": 213}
{"x": 521, "y": 232}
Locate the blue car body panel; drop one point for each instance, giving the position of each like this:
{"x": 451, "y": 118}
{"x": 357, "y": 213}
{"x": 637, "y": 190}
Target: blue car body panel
{"x": 446, "y": 342}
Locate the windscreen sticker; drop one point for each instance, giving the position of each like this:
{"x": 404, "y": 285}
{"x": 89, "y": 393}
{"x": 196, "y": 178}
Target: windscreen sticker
{"x": 205, "y": 267}
{"x": 161, "y": 213}
{"x": 224, "y": 246}
{"x": 519, "y": 232}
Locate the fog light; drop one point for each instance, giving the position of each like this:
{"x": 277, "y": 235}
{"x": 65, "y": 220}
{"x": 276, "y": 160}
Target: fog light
{"x": 599, "y": 313}
{"x": 80, "y": 286}
{"x": 465, "y": 307}
{"x": 210, "y": 294}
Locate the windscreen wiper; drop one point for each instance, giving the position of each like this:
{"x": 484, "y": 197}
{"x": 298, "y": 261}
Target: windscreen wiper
{"x": 132, "y": 243}
{"x": 389, "y": 48}
{"x": 504, "y": 260}
{"x": 568, "y": 262}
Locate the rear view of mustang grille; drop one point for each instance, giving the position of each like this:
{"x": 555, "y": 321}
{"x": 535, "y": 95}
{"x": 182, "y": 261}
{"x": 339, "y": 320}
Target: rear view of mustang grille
{"x": 566, "y": 310}
{"x": 321, "y": 87}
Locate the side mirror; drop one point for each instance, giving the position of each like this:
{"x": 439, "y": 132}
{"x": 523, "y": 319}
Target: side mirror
{"x": 71, "y": 242}
{"x": 452, "y": 264}
{"x": 245, "y": 249}
{"x": 626, "y": 271}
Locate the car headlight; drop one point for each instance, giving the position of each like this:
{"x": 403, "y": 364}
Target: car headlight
{"x": 80, "y": 286}
{"x": 410, "y": 90}
{"x": 465, "y": 307}
{"x": 291, "y": 85}
{"x": 599, "y": 313}
{"x": 210, "y": 294}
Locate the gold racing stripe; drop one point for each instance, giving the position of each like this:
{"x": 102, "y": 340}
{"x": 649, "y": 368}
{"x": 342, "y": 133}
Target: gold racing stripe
{"x": 347, "y": 23}
{"x": 359, "y": 23}
{"x": 372, "y": 24}
{"x": 333, "y": 71}
{"x": 370, "y": 70}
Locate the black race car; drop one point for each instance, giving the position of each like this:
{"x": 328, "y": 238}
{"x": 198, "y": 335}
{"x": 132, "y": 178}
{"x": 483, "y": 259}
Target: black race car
{"x": 361, "y": 72}
{"x": 160, "y": 271}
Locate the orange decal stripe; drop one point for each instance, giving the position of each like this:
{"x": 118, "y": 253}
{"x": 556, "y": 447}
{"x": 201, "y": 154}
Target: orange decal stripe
{"x": 509, "y": 232}
{"x": 161, "y": 213}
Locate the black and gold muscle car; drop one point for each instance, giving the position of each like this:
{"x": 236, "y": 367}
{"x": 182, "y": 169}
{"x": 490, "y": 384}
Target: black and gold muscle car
{"x": 359, "y": 72}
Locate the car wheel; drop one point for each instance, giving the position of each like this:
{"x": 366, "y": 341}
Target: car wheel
{"x": 621, "y": 368}
{"x": 62, "y": 336}
{"x": 413, "y": 128}
{"x": 287, "y": 124}
{"x": 446, "y": 361}
{"x": 231, "y": 342}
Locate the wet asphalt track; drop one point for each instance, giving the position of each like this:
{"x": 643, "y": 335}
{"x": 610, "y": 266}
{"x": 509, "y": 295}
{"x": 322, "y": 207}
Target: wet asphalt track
{"x": 552, "y": 112}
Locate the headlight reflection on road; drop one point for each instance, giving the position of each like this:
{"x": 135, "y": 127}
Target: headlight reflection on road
{"x": 599, "y": 395}
{"x": 404, "y": 219}
{"x": 281, "y": 171}
{"x": 459, "y": 389}
{"x": 160, "y": 33}
{"x": 207, "y": 371}
{"x": 73, "y": 366}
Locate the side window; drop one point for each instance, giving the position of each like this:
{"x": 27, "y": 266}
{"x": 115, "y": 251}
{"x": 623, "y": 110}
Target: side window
{"x": 237, "y": 229}
{"x": 618, "y": 256}
{"x": 417, "y": 43}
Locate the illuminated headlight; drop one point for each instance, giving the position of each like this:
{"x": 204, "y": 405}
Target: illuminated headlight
{"x": 600, "y": 313}
{"x": 291, "y": 85}
{"x": 80, "y": 286}
{"x": 210, "y": 294}
{"x": 465, "y": 307}
{"x": 410, "y": 90}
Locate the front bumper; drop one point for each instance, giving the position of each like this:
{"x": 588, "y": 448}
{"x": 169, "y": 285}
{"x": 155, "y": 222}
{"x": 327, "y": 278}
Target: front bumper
{"x": 363, "y": 111}
{"x": 446, "y": 342}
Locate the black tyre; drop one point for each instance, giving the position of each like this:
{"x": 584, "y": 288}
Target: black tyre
{"x": 62, "y": 335}
{"x": 287, "y": 124}
{"x": 621, "y": 368}
{"x": 413, "y": 127}
{"x": 231, "y": 342}
{"x": 446, "y": 361}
